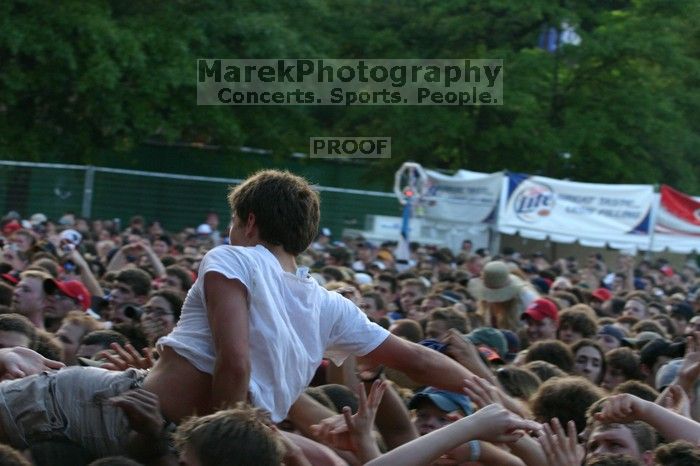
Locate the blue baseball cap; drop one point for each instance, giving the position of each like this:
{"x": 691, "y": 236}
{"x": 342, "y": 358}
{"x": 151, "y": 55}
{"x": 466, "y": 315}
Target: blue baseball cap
{"x": 446, "y": 401}
{"x": 433, "y": 344}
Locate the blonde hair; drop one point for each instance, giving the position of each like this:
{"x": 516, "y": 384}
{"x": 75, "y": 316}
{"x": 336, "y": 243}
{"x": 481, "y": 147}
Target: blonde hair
{"x": 41, "y": 274}
{"x": 81, "y": 319}
{"x": 507, "y": 320}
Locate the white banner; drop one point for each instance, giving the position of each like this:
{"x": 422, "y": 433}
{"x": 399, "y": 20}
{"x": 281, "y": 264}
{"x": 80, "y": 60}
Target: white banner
{"x": 465, "y": 197}
{"x": 567, "y": 211}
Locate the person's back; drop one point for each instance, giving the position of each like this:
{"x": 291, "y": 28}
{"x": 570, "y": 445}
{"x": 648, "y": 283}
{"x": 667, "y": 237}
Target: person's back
{"x": 292, "y": 322}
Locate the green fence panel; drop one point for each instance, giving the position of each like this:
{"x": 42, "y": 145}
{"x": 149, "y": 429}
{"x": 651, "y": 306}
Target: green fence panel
{"x": 177, "y": 201}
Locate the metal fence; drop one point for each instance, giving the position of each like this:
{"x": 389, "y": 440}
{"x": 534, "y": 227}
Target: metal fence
{"x": 175, "y": 200}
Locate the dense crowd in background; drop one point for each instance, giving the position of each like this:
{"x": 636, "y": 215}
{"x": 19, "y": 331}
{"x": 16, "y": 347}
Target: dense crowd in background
{"x": 603, "y": 357}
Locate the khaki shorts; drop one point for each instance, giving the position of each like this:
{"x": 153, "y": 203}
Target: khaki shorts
{"x": 70, "y": 404}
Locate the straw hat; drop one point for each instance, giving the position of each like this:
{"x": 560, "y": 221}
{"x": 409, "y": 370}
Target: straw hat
{"x": 496, "y": 283}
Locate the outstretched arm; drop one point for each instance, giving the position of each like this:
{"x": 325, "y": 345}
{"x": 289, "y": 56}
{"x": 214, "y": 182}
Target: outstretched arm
{"x": 153, "y": 258}
{"x": 118, "y": 260}
{"x": 423, "y": 365}
{"x": 628, "y": 408}
{"x": 493, "y": 424}
{"x": 86, "y": 275}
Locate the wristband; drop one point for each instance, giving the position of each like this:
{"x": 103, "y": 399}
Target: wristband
{"x": 474, "y": 450}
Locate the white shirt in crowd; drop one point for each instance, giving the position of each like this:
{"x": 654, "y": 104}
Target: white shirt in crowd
{"x": 293, "y": 323}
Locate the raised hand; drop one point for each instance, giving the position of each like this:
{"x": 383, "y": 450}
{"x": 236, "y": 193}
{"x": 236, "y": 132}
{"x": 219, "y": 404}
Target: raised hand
{"x": 125, "y": 357}
{"x": 675, "y": 399}
{"x": 348, "y": 431}
{"x": 481, "y": 392}
{"x": 690, "y": 369}
{"x": 622, "y": 408}
{"x": 559, "y": 448}
{"x": 498, "y": 425}
{"x": 360, "y": 424}
{"x": 463, "y": 351}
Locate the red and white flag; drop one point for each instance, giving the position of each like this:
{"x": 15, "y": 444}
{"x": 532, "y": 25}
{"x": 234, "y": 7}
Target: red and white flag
{"x": 678, "y": 213}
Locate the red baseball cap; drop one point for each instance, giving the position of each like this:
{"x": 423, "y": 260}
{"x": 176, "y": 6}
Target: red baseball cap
{"x": 541, "y": 308}
{"x": 8, "y": 277}
{"x": 603, "y": 294}
{"x": 11, "y": 227}
{"x": 72, "y": 288}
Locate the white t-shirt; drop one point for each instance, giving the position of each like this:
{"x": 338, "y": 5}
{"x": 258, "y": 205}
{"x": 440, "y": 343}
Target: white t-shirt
{"x": 293, "y": 323}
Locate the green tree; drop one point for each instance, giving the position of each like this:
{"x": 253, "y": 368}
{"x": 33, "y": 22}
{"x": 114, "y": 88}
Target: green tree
{"x": 78, "y": 78}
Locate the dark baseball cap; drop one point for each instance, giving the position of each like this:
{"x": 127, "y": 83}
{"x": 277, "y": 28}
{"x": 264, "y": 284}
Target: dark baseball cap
{"x": 444, "y": 400}
{"x": 612, "y": 331}
{"x": 683, "y": 310}
{"x": 490, "y": 337}
{"x": 653, "y": 350}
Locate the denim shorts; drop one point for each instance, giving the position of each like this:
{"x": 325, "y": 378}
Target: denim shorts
{"x": 70, "y": 404}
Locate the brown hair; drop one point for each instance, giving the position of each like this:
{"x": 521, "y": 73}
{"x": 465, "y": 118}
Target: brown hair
{"x": 638, "y": 389}
{"x": 174, "y": 297}
{"x": 626, "y": 361}
{"x": 647, "y": 325}
{"x": 518, "y": 381}
{"x": 678, "y": 453}
{"x": 579, "y": 321}
{"x": 417, "y": 282}
{"x": 614, "y": 459}
{"x": 408, "y": 329}
{"x": 235, "y": 436}
{"x": 569, "y": 298}
{"x": 285, "y": 207}
{"x": 104, "y": 338}
{"x": 137, "y": 279}
{"x": 566, "y": 398}
{"x": 544, "y": 370}
{"x": 182, "y": 273}
{"x": 48, "y": 265}
{"x": 47, "y": 345}
{"x": 553, "y": 351}
{"x": 19, "y": 324}
{"x": 453, "y": 318}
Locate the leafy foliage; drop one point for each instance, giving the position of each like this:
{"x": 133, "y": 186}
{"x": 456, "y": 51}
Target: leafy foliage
{"x": 78, "y": 78}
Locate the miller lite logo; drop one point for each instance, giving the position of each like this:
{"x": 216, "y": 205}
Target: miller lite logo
{"x": 533, "y": 200}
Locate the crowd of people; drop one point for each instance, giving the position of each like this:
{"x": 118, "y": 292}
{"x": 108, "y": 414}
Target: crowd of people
{"x": 275, "y": 342}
